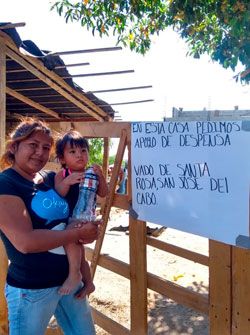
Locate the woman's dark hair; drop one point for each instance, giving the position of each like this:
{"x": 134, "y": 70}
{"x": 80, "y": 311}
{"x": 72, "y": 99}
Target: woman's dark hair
{"x": 21, "y": 132}
{"x": 73, "y": 138}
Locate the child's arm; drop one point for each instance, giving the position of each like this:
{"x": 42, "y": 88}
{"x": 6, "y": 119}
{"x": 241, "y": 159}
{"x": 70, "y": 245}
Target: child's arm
{"x": 62, "y": 184}
{"x": 102, "y": 189}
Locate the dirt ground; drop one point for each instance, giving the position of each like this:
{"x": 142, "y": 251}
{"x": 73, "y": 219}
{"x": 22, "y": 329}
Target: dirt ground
{"x": 165, "y": 317}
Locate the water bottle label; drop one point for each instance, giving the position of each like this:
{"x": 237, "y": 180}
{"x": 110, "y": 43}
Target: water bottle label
{"x": 86, "y": 203}
{"x": 90, "y": 181}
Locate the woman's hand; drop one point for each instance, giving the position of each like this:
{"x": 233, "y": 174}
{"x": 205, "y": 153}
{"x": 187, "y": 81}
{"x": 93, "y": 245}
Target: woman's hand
{"x": 88, "y": 231}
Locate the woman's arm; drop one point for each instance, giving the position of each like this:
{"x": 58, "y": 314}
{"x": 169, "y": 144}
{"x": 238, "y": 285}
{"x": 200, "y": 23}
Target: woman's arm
{"x": 16, "y": 225}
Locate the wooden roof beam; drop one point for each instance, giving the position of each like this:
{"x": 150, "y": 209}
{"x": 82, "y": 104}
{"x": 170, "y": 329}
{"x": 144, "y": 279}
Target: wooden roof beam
{"x": 93, "y": 110}
{"x": 55, "y": 68}
{"x": 44, "y": 96}
{"x": 80, "y": 119}
{"x": 31, "y": 103}
{"x": 33, "y": 89}
{"x": 12, "y": 103}
{"x": 36, "y": 71}
{"x": 76, "y": 76}
{"x": 96, "y": 129}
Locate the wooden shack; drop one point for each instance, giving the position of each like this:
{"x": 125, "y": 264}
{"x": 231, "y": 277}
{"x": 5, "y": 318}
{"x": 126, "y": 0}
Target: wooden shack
{"x": 29, "y": 86}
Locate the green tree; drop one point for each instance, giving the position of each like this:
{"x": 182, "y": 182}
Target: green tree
{"x": 96, "y": 151}
{"x": 111, "y": 159}
{"x": 220, "y": 28}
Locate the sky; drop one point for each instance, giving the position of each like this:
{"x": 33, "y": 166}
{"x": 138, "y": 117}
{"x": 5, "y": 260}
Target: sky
{"x": 178, "y": 80}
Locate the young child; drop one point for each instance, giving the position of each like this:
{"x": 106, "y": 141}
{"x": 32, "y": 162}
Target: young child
{"x": 72, "y": 150}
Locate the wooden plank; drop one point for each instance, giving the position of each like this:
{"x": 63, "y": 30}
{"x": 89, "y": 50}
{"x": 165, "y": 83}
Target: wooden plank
{"x": 110, "y": 263}
{"x": 17, "y": 71}
{"x": 52, "y": 102}
{"x": 31, "y": 103}
{"x": 33, "y": 89}
{"x": 240, "y": 291}
{"x": 167, "y": 288}
{"x": 138, "y": 277}
{"x": 220, "y": 266}
{"x": 2, "y": 97}
{"x": 105, "y": 167}
{"x": 178, "y": 251}
{"x": 121, "y": 201}
{"x": 97, "y": 129}
{"x": 84, "y": 118}
{"x": 109, "y": 200}
{"x": 129, "y": 181}
{"x": 180, "y": 294}
{"x": 111, "y": 326}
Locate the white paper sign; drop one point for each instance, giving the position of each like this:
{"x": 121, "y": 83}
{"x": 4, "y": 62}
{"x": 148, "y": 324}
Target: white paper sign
{"x": 193, "y": 176}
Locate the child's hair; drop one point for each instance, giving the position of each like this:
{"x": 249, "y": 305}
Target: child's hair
{"x": 21, "y": 132}
{"x": 73, "y": 138}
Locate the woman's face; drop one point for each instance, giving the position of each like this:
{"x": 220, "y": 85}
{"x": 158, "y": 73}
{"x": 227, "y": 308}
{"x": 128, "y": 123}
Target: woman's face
{"x": 33, "y": 153}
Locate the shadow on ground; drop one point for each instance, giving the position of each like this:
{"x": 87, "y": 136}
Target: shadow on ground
{"x": 166, "y": 317}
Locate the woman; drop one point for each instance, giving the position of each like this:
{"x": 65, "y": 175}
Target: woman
{"x": 32, "y": 221}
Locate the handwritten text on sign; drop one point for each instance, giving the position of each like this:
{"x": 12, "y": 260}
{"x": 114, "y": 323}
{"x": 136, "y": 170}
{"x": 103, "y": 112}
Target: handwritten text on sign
{"x": 193, "y": 176}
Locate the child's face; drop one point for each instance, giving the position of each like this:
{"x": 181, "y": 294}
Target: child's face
{"x": 75, "y": 158}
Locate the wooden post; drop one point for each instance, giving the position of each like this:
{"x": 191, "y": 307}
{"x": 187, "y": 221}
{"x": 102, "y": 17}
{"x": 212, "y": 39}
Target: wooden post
{"x": 138, "y": 265}
{"x": 241, "y": 291}
{"x": 220, "y": 290}
{"x": 3, "y": 256}
{"x": 105, "y": 164}
{"x": 129, "y": 180}
{"x": 138, "y": 277}
{"x": 109, "y": 201}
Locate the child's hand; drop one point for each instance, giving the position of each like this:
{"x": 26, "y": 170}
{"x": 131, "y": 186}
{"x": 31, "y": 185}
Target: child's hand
{"x": 73, "y": 178}
{"x": 102, "y": 189}
{"x": 97, "y": 169}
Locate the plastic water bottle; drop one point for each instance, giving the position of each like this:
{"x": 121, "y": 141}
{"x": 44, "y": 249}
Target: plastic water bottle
{"x": 85, "y": 207}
